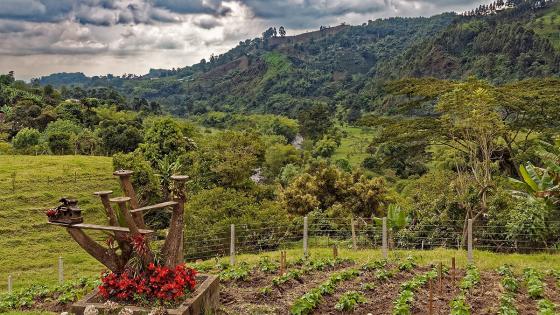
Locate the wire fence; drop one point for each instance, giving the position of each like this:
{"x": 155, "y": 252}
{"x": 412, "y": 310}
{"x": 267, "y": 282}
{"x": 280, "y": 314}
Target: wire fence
{"x": 366, "y": 233}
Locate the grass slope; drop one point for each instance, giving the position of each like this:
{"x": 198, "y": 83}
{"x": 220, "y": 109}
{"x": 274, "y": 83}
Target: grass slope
{"x": 353, "y": 147}
{"x": 30, "y": 247}
{"x": 548, "y": 25}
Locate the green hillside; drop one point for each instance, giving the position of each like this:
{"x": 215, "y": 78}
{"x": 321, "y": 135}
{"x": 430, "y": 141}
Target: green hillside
{"x": 548, "y": 25}
{"x": 29, "y": 246}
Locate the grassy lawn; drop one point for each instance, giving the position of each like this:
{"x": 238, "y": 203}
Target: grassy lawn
{"x": 353, "y": 147}
{"x": 30, "y": 247}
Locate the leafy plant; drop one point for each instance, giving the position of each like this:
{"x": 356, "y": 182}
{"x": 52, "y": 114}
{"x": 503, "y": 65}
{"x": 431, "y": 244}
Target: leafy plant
{"x": 401, "y": 306}
{"x": 535, "y": 286}
{"x": 238, "y": 272}
{"x": 374, "y": 265}
{"x": 509, "y": 282}
{"x": 459, "y": 306}
{"x": 471, "y": 278}
{"x": 408, "y": 264}
{"x": 546, "y": 307}
{"x": 368, "y": 286}
{"x": 349, "y": 300}
{"x": 309, "y": 301}
{"x": 507, "y": 305}
{"x": 384, "y": 275}
{"x": 267, "y": 266}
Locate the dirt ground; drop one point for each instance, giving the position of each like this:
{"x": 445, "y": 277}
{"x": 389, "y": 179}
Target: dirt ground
{"x": 245, "y": 297}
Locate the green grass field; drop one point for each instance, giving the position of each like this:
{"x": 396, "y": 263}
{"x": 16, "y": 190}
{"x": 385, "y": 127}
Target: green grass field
{"x": 353, "y": 147}
{"x": 29, "y": 246}
{"x": 548, "y": 25}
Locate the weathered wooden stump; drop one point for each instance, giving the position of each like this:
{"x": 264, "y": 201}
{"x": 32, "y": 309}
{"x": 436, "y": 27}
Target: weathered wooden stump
{"x": 127, "y": 229}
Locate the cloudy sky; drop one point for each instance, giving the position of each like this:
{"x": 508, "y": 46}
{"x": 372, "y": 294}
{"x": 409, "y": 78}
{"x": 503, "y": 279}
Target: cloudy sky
{"x": 38, "y": 37}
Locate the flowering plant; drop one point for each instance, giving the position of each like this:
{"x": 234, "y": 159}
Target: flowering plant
{"x": 52, "y": 213}
{"x": 156, "y": 283}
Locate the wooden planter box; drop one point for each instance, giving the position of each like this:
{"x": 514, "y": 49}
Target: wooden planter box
{"x": 204, "y": 300}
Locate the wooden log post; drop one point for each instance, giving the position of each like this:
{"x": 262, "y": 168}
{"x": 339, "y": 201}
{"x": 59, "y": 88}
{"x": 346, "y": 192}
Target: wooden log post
{"x": 384, "y": 239}
{"x": 354, "y": 243}
{"x": 128, "y": 190}
{"x": 470, "y": 257}
{"x": 104, "y": 255}
{"x": 282, "y": 262}
{"x": 335, "y": 252}
{"x": 232, "y": 245}
{"x": 305, "y": 238}
{"x": 172, "y": 250}
{"x": 113, "y": 220}
{"x": 146, "y": 255}
{"x": 453, "y": 271}
{"x": 440, "y": 275}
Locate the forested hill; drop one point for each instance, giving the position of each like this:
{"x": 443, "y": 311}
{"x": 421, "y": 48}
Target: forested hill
{"x": 346, "y": 66}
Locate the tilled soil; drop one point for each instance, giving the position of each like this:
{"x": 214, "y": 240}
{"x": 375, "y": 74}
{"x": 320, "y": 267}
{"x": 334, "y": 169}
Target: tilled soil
{"x": 379, "y": 300}
{"x": 442, "y": 294}
{"x": 245, "y": 297}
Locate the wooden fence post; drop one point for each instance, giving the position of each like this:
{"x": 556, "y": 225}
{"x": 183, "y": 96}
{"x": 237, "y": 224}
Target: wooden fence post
{"x": 232, "y": 246}
{"x": 354, "y": 244}
{"x": 60, "y": 270}
{"x": 10, "y": 284}
{"x": 335, "y": 251}
{"x": 470, "y": 257}
{"x": 384, "y": 238}
{"x": 453, "y": 268}
{"x": 305, "y": 237}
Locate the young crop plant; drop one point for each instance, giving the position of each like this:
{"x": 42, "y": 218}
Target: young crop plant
{"x": 384, "y": 275}
{"x": 546, "y": 307}
{"x": 236, "y": 273}
{"x": 309, "y": 301}
{"x": 349, "y": 300}
{"x": 293, "y": 274}
{"x": 471, "y": 279}
{"x": 511, "y": 285}
{"x": 401, "y": 306}
{"x": 459, "y": 305}
{"x": 368, "y": 286}
{"x": 266, "y": 265}
{"x": 374, "y": 265}
{"x": 408, "y": 264}
{"x": 507, "y": 304}
{"x": 535, "y": 286}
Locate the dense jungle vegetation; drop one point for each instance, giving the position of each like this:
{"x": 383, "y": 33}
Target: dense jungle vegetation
{"x": 459, "y": 118}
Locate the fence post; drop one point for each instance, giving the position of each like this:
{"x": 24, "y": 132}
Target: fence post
{"x": 60, "y": 270}
{"x": 470, "y": 242}
{"x": 384, "y": 239}
{"x": 10, "y": 285}
{"x": 232, "y": 246}
{"x": 305, "y": 237}
{"x": 354, "y": 245}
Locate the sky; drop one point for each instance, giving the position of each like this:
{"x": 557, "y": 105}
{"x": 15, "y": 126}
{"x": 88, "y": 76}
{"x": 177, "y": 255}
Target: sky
{"x": 96, "y": 37}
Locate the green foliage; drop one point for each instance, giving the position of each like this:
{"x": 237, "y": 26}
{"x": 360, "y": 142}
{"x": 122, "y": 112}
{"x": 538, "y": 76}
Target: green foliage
{"x": 267, "y": 266}
{"x": 349, "y": 300}
{"x": 402, "y": 305}
{"x": 239, "y": 272}
{"x": 459, "y": 306}
{"x": 310, "y": 300}
{"x": 26, "y": 139}
{"x": 408, "y": 264}
{"x": 144, "y": 178}
{"x": 324, "y": 148}
{"x": 546, "y": 307}
{"x": 507, "y": 305}
{"x": 471, "y": 279}
{"x": 535, "y": 286}
{"x": 164, "y": 138}
{"x": 64, "y": 293}
{"x": 325, "y": 187}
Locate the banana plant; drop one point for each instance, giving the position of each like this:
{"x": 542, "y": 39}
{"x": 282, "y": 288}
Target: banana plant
{"x": 536, "y": 183}
{"x": 397, "y": 219}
